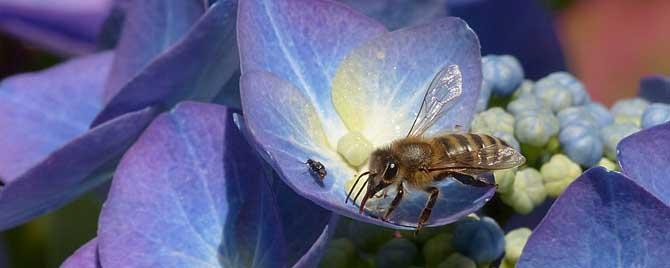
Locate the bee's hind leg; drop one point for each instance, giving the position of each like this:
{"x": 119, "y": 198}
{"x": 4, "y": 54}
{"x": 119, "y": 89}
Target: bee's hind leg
{"x": 472, "y": 180}
{"x": 425, "y": 213}
{"x": 395, "y": 202}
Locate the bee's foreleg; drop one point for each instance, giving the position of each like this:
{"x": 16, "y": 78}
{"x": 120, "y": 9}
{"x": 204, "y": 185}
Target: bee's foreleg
{"x": 425, "y": 213}
{"x": 395, "y": 202}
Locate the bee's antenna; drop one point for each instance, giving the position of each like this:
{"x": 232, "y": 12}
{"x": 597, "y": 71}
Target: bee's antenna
{"x": 354, "y": 187}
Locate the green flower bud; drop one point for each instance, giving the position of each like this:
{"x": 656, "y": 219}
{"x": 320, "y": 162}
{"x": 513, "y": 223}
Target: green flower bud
{"x": 608, "y": 164}
{"x": 528, "y": 191}
{"x": 558, "y": 173}
{"x": 506, "y": 264}
{"x": 526, "y": 88}
{"x": 505, "y": 179}
{"x": 515, "y": 240}
{"x": 492, "y": 120}
{"x": 339, "y": 253}
{"x": 628, "y": 119}
{"x": 437, "y": 249}
{"x": 457, "y": 261}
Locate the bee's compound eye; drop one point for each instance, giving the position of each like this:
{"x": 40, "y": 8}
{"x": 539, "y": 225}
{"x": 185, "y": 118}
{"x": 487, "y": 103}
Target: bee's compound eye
{"x": 391, "y": 171}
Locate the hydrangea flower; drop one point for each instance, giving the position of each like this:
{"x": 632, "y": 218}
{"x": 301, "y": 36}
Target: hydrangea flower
{"x": 306, "y": 85}
{"x": 67, "y": 27}
{"x": 503, "y": 73}
{"x": 621, "y": 220}
{"x": 199, "y": 195}
{"x": 655, "y": 114}
{"x": 64, "y": 128}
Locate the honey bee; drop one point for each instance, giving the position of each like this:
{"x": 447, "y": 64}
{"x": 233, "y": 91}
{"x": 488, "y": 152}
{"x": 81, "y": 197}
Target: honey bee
{"x": 419, "y": 162}
{"x": 316, "y": 168}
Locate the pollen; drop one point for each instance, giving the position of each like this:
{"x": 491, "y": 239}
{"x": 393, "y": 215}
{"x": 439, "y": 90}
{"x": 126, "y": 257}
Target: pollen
{"x": 354, "y": 148}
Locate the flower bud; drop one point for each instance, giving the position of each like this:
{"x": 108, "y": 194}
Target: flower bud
{"x": 577, "y": 115}
{"x": 525, "y": 89}
{"x": 528, "y": 191}
{"x": 504, "y": 179}
{"x": 655, "y": 114}
{"x": 600, "y": 113}
{"x": 558, "y": 173}
{"x": 481, "y": 240}
{"x": 526, "y": 103}
{"x": 611, "y": 136}
{"x": 399, "y": 252}
{"x": 339, "y": 253}
{"x": 582, "y": 144}
{"x": 608, "y": 164}
{"x": 437, "y": 249}
{"x": 484, "y": 96}
{"x": 535, "y": 128}
{"x": 515, "y": 240}
{"x": 493, "y": 120}
{"x": 503, "y": 73}
{"x": 457, "y": 261}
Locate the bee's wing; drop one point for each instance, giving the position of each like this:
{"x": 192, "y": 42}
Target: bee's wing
{"x": 490, "y": 157}
{"x": 446, "y": 86}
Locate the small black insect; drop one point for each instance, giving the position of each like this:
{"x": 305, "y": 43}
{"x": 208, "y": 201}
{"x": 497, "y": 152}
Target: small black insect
{"x": 316, "y": 168}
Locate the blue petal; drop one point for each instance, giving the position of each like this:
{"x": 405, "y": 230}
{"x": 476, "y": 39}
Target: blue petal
{"x": 151, "y": 27}
{"x": 655, "y": 88}
{"x": 84, "y": 257}
{"x": 76, "y": 167}
{"x": 67, "y": 27}
{"x": 198, "y": 195}
{"x": 209, "y": 49}
{"x": 303, "y": 42}
{"x": 644, "y": 157}
{"x": 379, "y": 87}
{"x": 522, "y": 28}
{"x": 48, "y": 155}
{"x": 39, "y": 112}
{"x": 285, "y": 126}
{"x": 603, "y": 219}
{"x": 397, "y": 14}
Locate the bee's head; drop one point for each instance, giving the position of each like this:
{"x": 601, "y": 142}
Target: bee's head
{"x": 383, "y": 171}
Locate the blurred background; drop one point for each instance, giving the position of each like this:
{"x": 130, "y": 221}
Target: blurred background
{"x": 608, "y": 44}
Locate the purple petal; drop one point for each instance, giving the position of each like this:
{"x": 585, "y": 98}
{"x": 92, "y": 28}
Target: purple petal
{"x": 379, "y": 87}
{"x": 655, "y": 88}
{"x": 522, "y": 28}
{"x": 73, "y": 169}
{"x": 644, "y": 157}
{"x": 84, "y": 257}
{"x": 603, "y": 219}
{"x": 48, "y": 155}
{"x": 198, "y": 195}
{"x": 68, "y": 27}
{"x": 303, "y": 42}
{"x": 209, "y": 50}
{"x": 40, "y": 112}
{"x": 286, "y": 128}
{"x": 151, "y": 28}
{"x": 396, "y": 14}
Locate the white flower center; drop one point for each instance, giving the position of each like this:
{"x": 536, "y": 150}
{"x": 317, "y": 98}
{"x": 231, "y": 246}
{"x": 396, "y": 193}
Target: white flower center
{"x": 354, "y": 148}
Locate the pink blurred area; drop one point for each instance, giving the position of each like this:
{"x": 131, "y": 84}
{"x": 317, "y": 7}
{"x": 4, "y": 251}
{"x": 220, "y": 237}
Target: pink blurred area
{"x": 610, "y": 44}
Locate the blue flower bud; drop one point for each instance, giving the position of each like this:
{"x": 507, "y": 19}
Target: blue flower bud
{"x": 600, "y": 113}
{"x": 503, "y": 73}
{"x": 535, "y": 128}
{"x": 481, "y": 240}
{"x": 560, "y": 90}
{"x": 526, "y": 103}
{"x": 582, "y": 144}
{"x": 577, "y": 115}
{"x": 655, "y": 114}
{"x": 484, "y": 96}
{"x": 630, "y": 107}
{"x": 576, "y": 88}
{"x": 493, "y": 120}
{"x": 399, "y": 252}
{"x": 611, "y": 136}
